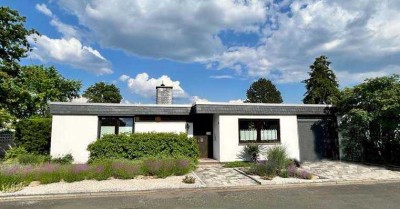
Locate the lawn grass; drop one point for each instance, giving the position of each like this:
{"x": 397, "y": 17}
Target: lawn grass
{"x": 237, "y": 164}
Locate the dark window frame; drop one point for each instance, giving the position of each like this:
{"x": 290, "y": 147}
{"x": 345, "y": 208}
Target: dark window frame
{"x": 116, "y": 123}
{"x": 258, "y": 128}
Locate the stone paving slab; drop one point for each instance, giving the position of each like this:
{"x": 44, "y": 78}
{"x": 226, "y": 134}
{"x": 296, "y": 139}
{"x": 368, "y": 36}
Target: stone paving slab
{"x": 337, "y": 170}
{"x": 218, "y": 176}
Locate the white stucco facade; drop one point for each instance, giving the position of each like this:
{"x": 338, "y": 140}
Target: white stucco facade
{"x": 226, "y": 143}
{"x": 175, "y": 127}
{"x": 71, "y": 134}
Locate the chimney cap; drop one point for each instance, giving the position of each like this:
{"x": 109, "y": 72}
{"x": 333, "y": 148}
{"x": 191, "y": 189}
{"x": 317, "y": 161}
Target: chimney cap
{"x": 163, "y": 85}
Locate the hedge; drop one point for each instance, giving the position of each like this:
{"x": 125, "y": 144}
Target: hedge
{"x": 34, "y": 135}
{"x": 139, "y": 145}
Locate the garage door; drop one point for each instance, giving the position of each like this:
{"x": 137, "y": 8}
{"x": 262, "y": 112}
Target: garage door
{"x": 311, "y": 139}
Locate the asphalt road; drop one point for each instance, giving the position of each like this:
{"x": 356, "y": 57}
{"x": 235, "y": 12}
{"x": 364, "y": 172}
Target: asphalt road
{"x": 339, "y": 196}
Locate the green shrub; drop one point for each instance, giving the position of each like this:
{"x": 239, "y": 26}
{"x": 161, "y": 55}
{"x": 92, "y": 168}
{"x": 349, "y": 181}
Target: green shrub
{"x": 189, "y": 180}
{"x": 166, "y": 166}
{"x": 182, "y": 166}
{"x": 65, "y": 160}
{"x": 32, "y": 159}
{"x": 125, "y": 169}
{"x": 237, "y": 164}
{"x": 14, "y": 152}
{"x": 278, "y": 156}
{"x": 283, "y": 173}
{"x": 34, "y": 135}
{"x": 141, "y": 145}
{"x": 251, "y": 152}
{"x": 265, "y": 169}
{"x": 11, "y": 183}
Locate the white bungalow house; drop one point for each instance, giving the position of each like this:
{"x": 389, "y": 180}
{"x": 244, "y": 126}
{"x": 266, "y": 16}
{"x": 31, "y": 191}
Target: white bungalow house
{"x": 222, "y": 129}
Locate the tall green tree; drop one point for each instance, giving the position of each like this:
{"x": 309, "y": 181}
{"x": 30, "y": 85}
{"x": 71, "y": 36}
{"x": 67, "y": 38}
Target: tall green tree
{"x": 371, "y": 120}
{"x": 13, "y": 46}
{"x": 263, "y": 91}
{"x": 103, "y": 93}
{"x": 13, "y": 39}
{"x": 322, "y": 86}
{"x": 30, "y": 93}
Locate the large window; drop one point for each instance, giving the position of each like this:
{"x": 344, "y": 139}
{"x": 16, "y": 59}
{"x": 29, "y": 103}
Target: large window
{"x": 259, "y": 131}
{"x": 115, "y": 125}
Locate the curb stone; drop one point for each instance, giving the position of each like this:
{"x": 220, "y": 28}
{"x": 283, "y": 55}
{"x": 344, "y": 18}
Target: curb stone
{"x": 199, "y": 179}
{"x": 195, "y": 189}
{"x": 248, "y": 176}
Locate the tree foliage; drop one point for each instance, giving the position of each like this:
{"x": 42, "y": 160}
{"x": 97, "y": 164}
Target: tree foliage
{"x": 29, "y": 93}
{"x": 5, "y": 119}
{"x": 263, "y": 91}
{"x": 370, "y": 125}
{"x": 103, "y": 93}
{"x": 13, "y": 46}
{"x": 322, "y": 86}
{"x": 13, "y": 36}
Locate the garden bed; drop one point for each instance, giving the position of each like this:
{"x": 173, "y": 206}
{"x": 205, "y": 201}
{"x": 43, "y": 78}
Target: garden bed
{"x": 140, "y": 183}
{"x": 14, "y": 177}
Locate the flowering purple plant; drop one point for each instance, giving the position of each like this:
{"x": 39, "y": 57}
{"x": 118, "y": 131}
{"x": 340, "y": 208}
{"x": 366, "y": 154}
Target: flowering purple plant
{"x": 183, "y": 163}
{"x": 78, "y": 168}
{"x": 305, "y": 174}
{"x": 292, "y": 170}
{"x": 48, "y": 168}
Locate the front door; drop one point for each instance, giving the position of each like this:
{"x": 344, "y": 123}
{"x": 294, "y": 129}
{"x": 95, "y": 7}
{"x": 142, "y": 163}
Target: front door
{"x": 202, "y": 141}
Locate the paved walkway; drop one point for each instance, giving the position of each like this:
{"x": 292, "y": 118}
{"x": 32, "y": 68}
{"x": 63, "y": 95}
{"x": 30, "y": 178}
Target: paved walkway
{"x": 218, "y": 176}
{"x": 337, "y": 170}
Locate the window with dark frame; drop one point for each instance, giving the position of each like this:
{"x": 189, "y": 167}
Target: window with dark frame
{"x": 259, "y": 131}
{"x": 115, "y": 125}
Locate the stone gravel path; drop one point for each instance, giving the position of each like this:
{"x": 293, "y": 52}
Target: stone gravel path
{"x": 218, "y": 176}
{"x": 337, "y": 170}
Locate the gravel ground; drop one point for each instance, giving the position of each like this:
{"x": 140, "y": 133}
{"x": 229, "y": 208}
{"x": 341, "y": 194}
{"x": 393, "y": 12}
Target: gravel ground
{"x": 91, "y": 186}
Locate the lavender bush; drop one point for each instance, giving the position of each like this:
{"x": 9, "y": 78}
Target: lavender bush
{"x": 14, "y": 177}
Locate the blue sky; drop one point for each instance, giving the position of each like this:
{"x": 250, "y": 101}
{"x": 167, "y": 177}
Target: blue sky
{"x": 212, "y": 50}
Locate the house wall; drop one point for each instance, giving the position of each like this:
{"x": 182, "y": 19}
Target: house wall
{"x": 176, "y": 127}
{"x": 228, "y": 140}
{"x": 216, "y": 146}
{"x": 72, "y": 134}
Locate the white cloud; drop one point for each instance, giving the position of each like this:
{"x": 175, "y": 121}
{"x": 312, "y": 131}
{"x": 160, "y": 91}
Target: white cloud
{"x": 198, "y": 99}
{"x": 124, "y": 78}
{"x": 44, "y": 10}
{"x": 221, "y": 76}
{"x": 125, "y": 101}
{"x": 70, "y": 52}
{"x": 349, "y": 78}
{"x": 179, "y": 30}
{"x": 361, "y": 38}
{"x": 68, "y": 31}
{"x": 145, "y": 86}
{"x": 236, "y": 101}
{"x": 68, "y": 49}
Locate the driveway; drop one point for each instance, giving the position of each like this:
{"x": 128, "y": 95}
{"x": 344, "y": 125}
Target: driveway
{"x": 218, "y": 176}
{"x": 336, "y": 170}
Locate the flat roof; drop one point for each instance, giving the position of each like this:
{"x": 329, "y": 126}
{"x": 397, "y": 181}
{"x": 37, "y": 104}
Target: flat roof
{"x": 114, "y": 109}
{"x": 262, "y": 109}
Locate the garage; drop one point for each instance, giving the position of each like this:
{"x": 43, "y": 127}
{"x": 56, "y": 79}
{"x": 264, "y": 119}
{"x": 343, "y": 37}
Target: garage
{"x": 317, "y": 140}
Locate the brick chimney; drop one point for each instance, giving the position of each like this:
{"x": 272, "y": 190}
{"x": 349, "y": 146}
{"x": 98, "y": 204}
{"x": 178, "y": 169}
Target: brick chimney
{"x": 164, "y": 94}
